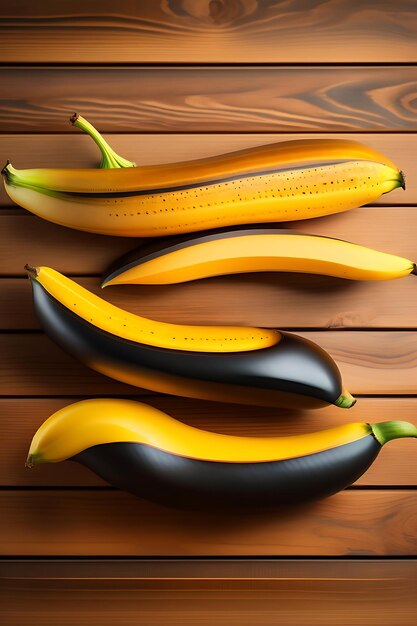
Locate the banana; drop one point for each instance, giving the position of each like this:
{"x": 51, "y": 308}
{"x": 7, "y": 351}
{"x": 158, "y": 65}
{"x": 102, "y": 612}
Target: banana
{"x": 226, "y": 363}
{"x": 291, "y": 180}
{"x": 227, "y": 251}
{"x": 142, "y": 450}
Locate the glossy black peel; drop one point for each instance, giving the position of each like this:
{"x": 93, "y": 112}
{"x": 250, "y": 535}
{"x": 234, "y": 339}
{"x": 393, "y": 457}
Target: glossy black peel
{"x": 190, "y": 483}
{"x": 294, "y": 373}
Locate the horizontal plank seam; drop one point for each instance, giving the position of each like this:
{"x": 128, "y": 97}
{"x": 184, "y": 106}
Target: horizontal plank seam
{"x": 232, "y": 132}
{"x": 109, "y": 488}
{"x": 204, "y": 65}
{"x": 221, "y": 580}
{"x": 222, "y": 559}
{"x": 199, "y": 64}
{"x": 215, "y": 557}
{"x": 224, "y": 132}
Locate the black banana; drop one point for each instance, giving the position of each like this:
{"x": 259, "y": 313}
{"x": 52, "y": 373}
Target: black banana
{"x": 140, "y": 449}
{"x": 229, "y": 364}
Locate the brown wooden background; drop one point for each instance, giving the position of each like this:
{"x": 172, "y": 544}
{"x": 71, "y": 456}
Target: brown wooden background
{"x": 176, "y": 79}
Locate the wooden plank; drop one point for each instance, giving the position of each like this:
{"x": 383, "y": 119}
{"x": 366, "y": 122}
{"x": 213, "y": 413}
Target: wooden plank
{"x": 374, "y": 362}
{"x": 282, "y": 300}
{"x": 182, "y": 31}
{"x": 27, "y": 238}
{"x": 187, "y": 99}
{"x": 33, "y": 365}
{"x": 86, "y": 523}
{"x": 301, "y": 592}
{"x": 76, "y": 150}
{"x": 395, "y": 466}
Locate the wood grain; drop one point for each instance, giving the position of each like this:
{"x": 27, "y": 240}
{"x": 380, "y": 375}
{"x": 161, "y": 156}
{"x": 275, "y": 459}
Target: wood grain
{"x": 382, "y": 592}
{"x": 64, "y": 523}
{"x": 179, "y": 71}
{"x": 76, "y": 150}
{"x": 254, "y": 31}
{"x": 27, "y": 238}
{"x": 184, "y": 99}
{"x": 374, "y": 362}
{"x": 395, "y": 466}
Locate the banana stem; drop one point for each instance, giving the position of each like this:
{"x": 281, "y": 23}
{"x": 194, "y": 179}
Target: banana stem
{"x": 32, "y": 271}
{"x": 386, "y": 431}
{"x": 5, "y": 169}
{"x": 345, "y": 400}
{"x": 110, "y": 159}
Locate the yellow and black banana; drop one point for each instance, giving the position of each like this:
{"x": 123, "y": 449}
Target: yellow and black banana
{"x": 291, "y": 180}
{"x": 226, "y": 363}
{"x": 261, "y": 249}
{"x": 140, "y": 449}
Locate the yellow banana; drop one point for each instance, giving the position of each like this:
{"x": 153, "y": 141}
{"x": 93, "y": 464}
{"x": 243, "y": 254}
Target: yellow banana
{"x": 284, "y": 181}
{"x": 142, "y": 450}
{"x": 226, "y": 363}
{"x": 252, "y": 250}
{"x": 131, "y": 327}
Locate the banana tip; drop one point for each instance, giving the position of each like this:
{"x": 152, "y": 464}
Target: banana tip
{"x": 74, "y": 118}
{"x": 31, "y": 271}
{"x": 402, "y": 179}
{"x": 29, "y": 461}
{"x": 5, "y": 170}
{"x": 345, "y": 400}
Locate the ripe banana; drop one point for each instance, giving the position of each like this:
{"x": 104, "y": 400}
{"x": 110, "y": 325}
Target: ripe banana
{"x": 228, "y": 251}
{"x": 226, "y": 363}
{"x": 291, "y": 180}
{"x": 140, "y": 449}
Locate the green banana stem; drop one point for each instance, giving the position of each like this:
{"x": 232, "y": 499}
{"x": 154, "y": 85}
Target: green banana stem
{"x": 110, "y": 159}
{"x": 345, "y": 400}
{"x": 386, "y": 431}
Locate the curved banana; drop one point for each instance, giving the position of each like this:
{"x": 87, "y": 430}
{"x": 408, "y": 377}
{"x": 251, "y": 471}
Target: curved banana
{"x": 291, "y": 180}
{"x": 228, "y": 251}
{"x": 226, "y": 363}
{"x": 140, "y": 449}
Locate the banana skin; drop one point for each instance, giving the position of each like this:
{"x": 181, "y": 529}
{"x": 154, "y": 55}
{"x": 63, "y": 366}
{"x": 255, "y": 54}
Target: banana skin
{"x": 261, "y": 249}
{"x": 284, "y": 181}
{"x": 142, "y": 450}
{"x": 224, "y": 363}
